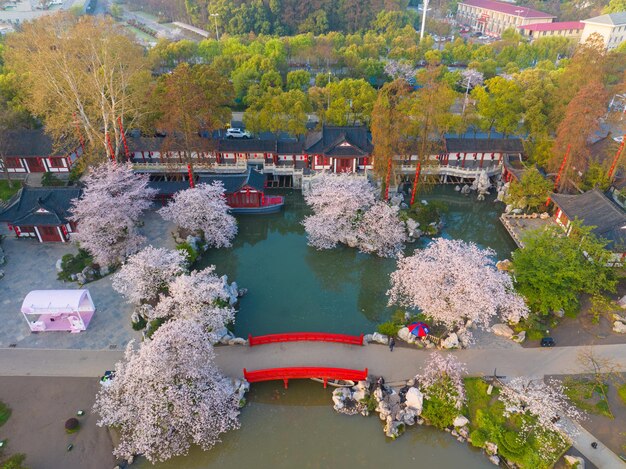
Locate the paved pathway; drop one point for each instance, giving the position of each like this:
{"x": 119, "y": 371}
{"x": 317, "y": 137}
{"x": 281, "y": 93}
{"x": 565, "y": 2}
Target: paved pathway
{"x": 601, "y": 457}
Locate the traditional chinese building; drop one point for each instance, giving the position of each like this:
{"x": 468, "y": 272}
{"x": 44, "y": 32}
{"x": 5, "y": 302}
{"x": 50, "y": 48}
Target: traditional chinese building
{"x": 41, "y": 213}
{"x": 32, "y": 151}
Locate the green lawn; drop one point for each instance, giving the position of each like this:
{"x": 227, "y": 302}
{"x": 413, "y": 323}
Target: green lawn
{"x": 7, "y": 192}
{"x": 537, "y": 449}
{"x": 588, "y": 396}
{"x": 621, "y": 392}
{"x": 5, "y": 413}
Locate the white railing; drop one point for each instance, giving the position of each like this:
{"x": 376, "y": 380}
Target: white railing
{"x": 449, "y": 170}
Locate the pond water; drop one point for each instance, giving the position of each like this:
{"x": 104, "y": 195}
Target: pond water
{"x": 293, "y": 287}
{"x": 299, "y": 428}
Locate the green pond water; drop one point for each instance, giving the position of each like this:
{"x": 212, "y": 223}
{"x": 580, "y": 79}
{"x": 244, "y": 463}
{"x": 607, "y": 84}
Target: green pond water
{"x": 293, "y": 287}
{"x": 298, "y": 428}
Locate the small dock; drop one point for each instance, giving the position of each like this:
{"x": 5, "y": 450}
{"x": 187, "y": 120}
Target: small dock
{"x": 519, "y": 225}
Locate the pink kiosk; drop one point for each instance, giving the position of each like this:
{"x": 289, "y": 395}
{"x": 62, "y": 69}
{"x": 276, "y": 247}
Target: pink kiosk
{"x": 58, "y": 310}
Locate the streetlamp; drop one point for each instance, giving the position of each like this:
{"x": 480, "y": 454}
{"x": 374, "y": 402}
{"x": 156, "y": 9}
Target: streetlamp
{"x": 217, "y": 33}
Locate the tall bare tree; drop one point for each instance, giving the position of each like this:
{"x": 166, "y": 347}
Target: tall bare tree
{"x": 83, "y": 70}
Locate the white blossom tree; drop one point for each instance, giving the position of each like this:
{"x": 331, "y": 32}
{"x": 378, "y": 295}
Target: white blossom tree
{"x": 108, "y": 211}
{"x": 168, "y": 395}
{"x": 442, "y": 378}
{"x": 451, "y": 281}
{"x": 203, "y": 208}
{"x": 546, "y": 402}
{"x": 147, "y": 273}
{"x": 380, "y": 231}
{"x": 201, "y": 296}
{"x": 337, "y": 201}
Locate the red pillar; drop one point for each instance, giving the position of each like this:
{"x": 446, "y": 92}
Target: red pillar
{"x": 415, "y": 182}
{"x": 463, "y": 163}
{"x": 127, "y": 153}
{"x": 616, "y": 158}
{"x": 482, "y": 157}
{"x": 190, "y": 172}
{"x": 286, "y": 381}
{"x": 110, "y": 147}
{"x": 388, "y": 180}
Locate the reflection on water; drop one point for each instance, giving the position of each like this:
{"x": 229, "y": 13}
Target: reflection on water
{"x": 298, "y": 428}
{"x": 293, "y": 287}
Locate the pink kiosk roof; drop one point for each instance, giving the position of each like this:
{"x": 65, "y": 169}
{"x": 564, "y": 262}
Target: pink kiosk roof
{"x": 58, "y": 310}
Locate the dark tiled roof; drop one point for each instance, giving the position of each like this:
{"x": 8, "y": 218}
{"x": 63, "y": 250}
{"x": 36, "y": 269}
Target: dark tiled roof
{"x": 235, "y": 182}
{"x": 41, "y": 206}
{"x": 30, "y": 143}
{"x": 247, "y": 145}
{"x": 145, "y": 143}
{"x": 340, "y": 141}
{"x": 595, "y": 209}
{"x": 286, "y": 147}
{"x": 482, "y": 145}
{"x": 168, "y": 188}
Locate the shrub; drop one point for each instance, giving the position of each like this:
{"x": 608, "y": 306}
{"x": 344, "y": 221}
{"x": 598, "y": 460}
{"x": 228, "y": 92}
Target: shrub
{"x": 72, "y": 425}
{"x": 140, "y": 324}
{"x": 5, "y": 413}
{"x": 439, "y": 413}
{"x": 621, "y": 392}
{"x": 192, "y": 254}
{"x": 389, "y": 328}
{"x": 74, "y": 264}
{"x": 478, "y": 437}
{"x": 14, "y": 462}
{"x": 154, "y": 325}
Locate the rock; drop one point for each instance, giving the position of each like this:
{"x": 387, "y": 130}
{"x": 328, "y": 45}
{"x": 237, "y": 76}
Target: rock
{"x": 339, "y": 397}
{"x": 225, "y": 340}
{"x": 494, "y": 459}
{"x": 460, "y": 421}
{"x": 560, "y": 313}
{"x": 519, "y": 338}
{"x": 516, "y": 211}
{"x": 367, "y": 338}
{"x": 504, "y": 265}
{"x": 619, "y": 327}
{"x": 407, "y": 416}
{"x": 80, "y": 278}
{"x": 464, "y": 432}
{"x": 465, "y": 190}
{"x": 237, "y": 341}
{"x": 351, "y": 241}
{"x": 469, "y": 324}
{"x": 457, "y": 188}
{"x": 131, "y": 460}
{"x": 430, "y": 345}
{"x": 104, "y": 271}
{"x": 544, "y": 215}
{"x": 380, "y": 338}
{"x": 508, "y": 208}
{"x": 502, "y": 330}
{"x": 89, "y": 274}
{"x": 396, "y": 200}
{"x": 404, "y": 206}
{"x": 1, "y": 274}
{"x": 465, "y": 337}
{"x": 617, "y": 317}
{"x": 622, "y": 302}
{"x": 415, "y": 400}
{"x": 242, "y": 292}
{"x": 57, "y": 265}
{"x": 452, "y": 341}
{"x": 574, "y": 461}
{"x": 491, "y": 448}
{"x": 405, "y": 334}
{"x": 359, "y": 394}
{"x": 424, "y": 202}
{"x": 73, "y": 277}
{"x": 394, "y": 429}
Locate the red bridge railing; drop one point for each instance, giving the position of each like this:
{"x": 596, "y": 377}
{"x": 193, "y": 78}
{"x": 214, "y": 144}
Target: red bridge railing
{"x": 305, "y": 336}
{"x": 286, "y": 374}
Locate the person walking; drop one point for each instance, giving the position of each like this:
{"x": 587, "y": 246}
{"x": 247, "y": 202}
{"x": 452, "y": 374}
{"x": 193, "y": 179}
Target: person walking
{"x": 594, "y": 445}
{"x": 392, "y": 344}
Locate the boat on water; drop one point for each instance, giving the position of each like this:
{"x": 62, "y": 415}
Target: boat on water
{"x": 269, "y": 204}
{"x": 336, "y": 383}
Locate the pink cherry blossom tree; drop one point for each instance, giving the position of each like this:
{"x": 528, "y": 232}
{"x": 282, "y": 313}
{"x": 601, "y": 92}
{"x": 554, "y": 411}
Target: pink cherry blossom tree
{"x": 546, "y": 402}
{"x": 108, "y": 211}
{"x": 168, "y": 395}
{"x": 203, "y": 208}
{"x": 201, "y": 296}
{"x": 337, "y": 201}
{"x": 452, "y": 281}
{"x": 380, "y": 231}
{"x": 147, "y": 273}
{"x": 442, "y": 379}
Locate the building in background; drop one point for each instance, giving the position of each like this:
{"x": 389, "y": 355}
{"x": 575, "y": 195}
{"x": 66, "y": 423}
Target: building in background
{"x": 611, "y": 27}
{"x": 492, "y": 18}
{"x": 569, "y": 29}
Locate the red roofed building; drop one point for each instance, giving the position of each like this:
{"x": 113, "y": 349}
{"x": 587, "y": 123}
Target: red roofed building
{"x": 491, "y": 17}
{"x": 571, "y": 29}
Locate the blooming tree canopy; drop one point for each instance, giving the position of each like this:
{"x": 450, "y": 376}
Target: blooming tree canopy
{"x": 442, "y": 379}
{"x": 380, "y": 231}
{"x": 336, "y": 200}
{"x": 451, "y": 281}
{"x": 203, "y": 208}
{"x": 168, "y": 395}
{"x": 107, "y": 212}
{"x": 200, "y": 296}
{"x": 545, "y": 401}
{"x": 147, "y": 273}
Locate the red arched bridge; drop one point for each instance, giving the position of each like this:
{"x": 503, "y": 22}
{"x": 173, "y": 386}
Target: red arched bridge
{"x": 304, "y": 372}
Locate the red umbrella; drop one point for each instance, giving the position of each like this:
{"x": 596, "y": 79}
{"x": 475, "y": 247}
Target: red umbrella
{"x": 419, "y": 329}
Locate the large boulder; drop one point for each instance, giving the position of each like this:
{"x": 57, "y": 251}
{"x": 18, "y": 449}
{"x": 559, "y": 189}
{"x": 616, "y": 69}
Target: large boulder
{"x": 502, "y": 330}
{"x": 504, "y": 265}
{"x": 415, "y": 400}
{"x": 452, "y": 341}
{"x": 491, "y": 448}
{"x": 380, "y": 338}
{"x": 619, "y": 327}
{"x": 574, "y": 461}
{"x": 58, "y": 264}
{"x": 622, "y": 302}
{"x": 519, "y": 338}
{"x": 393, "y": 429}
{"x": 405, "y": 334}
{"x": 339, "y": 397}
{"x": 460, "y": 421}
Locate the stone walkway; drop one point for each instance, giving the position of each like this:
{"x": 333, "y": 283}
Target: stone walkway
{"x": 31, "y": 266}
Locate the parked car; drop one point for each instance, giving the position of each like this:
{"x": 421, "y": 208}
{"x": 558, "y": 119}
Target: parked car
{"x": 237, "y": 133}
{"x": 619, "y": 139}
{"x": 548, "y": 342}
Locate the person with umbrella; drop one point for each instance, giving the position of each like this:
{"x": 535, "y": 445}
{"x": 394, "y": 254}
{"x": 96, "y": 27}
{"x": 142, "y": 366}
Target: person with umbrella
{"x": 419, "y": 329}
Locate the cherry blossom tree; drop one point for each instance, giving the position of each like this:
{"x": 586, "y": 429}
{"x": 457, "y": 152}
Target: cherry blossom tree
{"x": 168, "y": 394}
{"x": 547, "y": 402}
{"x": 442, "y": 378}
{"x": 200, "y": 296}
{"x": 147, "y": 273}
{"x": 380, "y": 231}
{"x": 451, "y": 281}
{"x": 337, "y": 201}
{"x": 108, "y": 211}
{"x": 203, "y": 208}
